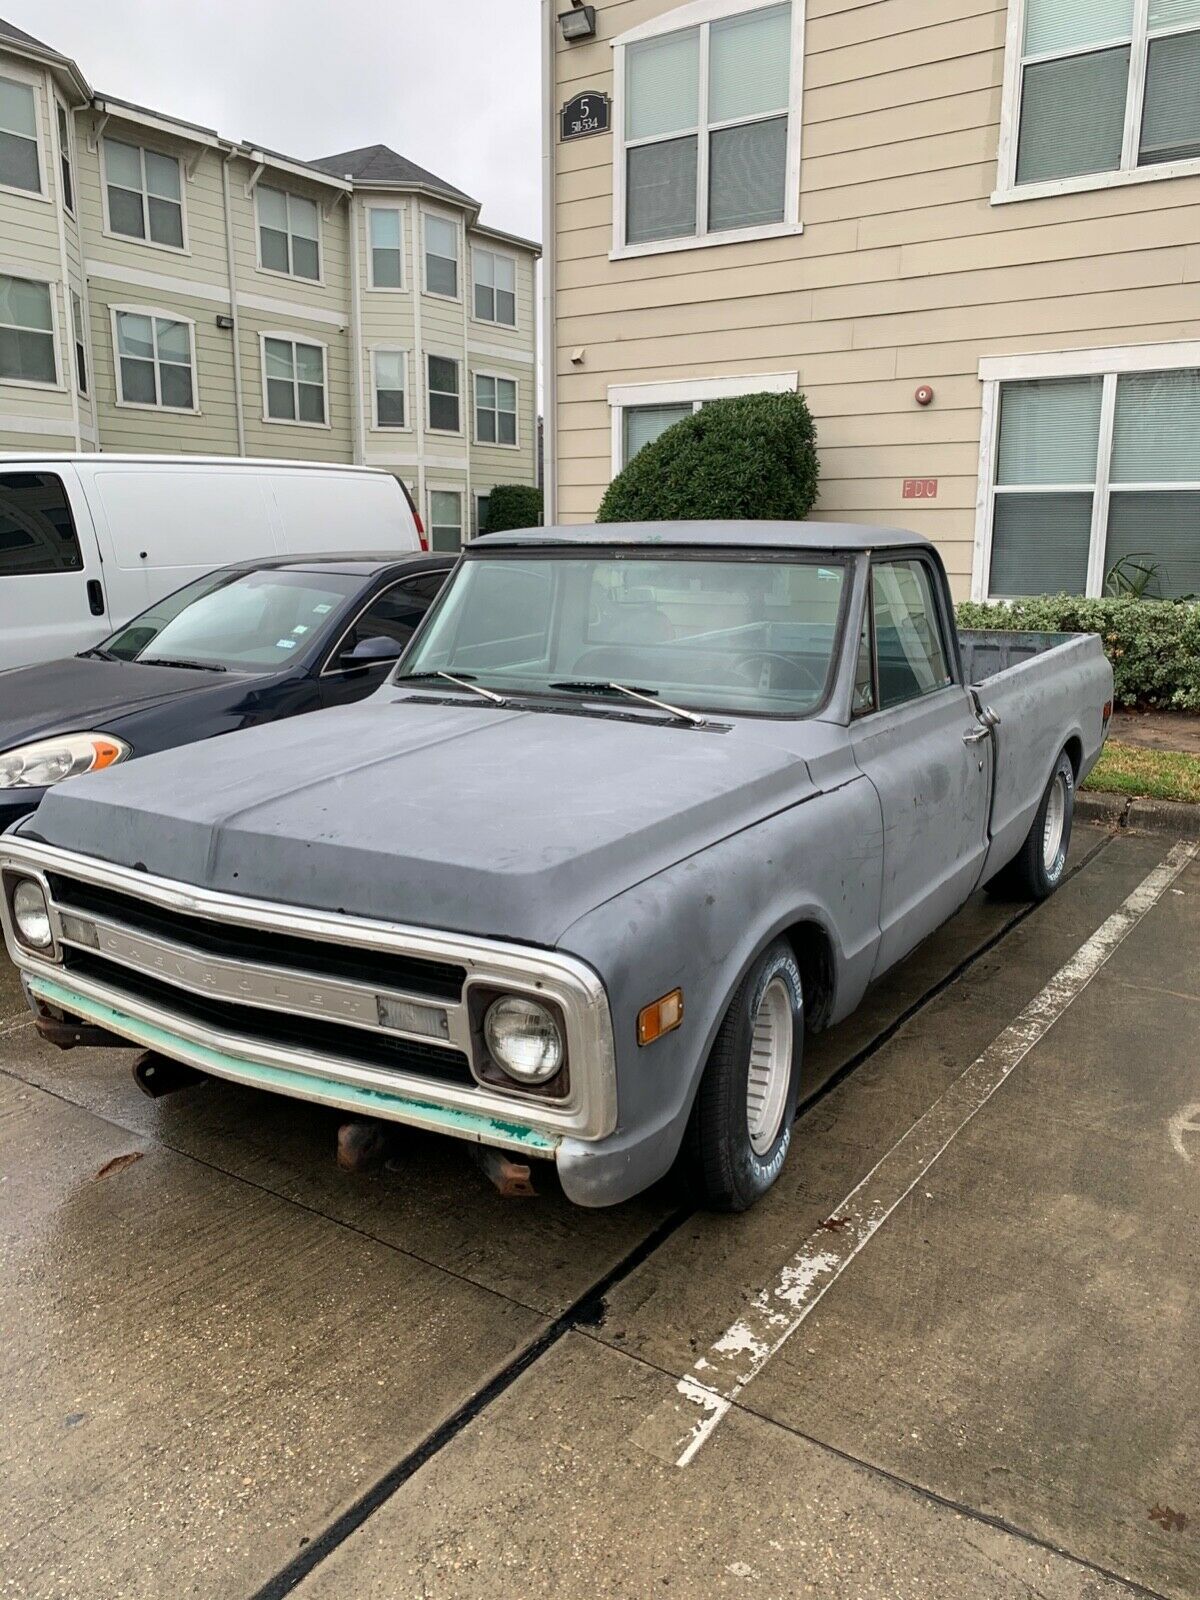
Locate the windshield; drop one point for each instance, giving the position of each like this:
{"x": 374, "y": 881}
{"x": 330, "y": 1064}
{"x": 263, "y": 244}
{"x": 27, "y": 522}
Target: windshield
{"x": 246, "y": 621}
{"x": 706, "y": 633}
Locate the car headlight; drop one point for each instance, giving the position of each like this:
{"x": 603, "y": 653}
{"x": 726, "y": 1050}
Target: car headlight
{"x": 37, "y": 766}
{"x": 524, "y": 1038}
{"x": 31, "y": 915}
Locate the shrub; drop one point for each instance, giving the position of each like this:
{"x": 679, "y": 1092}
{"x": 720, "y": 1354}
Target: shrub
{"x": 514, "y": 505}
{"x": 752, "y": 457}
{"x": 1154, "y": 645}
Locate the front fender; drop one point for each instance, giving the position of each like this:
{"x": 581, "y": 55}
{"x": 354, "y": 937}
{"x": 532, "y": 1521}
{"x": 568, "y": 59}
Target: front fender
{"x": 699, "y": 925}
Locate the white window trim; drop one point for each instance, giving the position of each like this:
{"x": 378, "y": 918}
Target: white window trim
{"x": 387, "y": 288}
{"x": 10, "y": 269}
{"x": 455, "y": 222}
{"x": 166, "y": 316}
{"x": 460, "y": 489}
{"x": 1007, "y": 190}
{"x": 147, "y": 243}
{"x": 1106, "y": 363}
{"x": 681, "y": 18}
{"x": 67, "y": 150}
{"x": 684, "y": 391}
{"x": 28, "y": 80}
{"x": 504, "y": 377}
{"x": 390, "y": 428}
{"x": 292, "y": 337}
{"x": 490, "y": 322}
{"x": 83, "y": 389}
{"x": 463, "y": 398}
{"x": 274, "y": 272}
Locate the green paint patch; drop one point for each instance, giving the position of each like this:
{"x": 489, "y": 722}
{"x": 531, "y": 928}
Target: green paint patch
{"x": 450, "y": 1120}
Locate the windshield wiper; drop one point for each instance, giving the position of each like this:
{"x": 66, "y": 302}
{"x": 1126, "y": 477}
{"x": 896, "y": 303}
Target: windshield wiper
{"x": 96, "y": 654}
{"x": 646, "y": 697}
{"x": 195, "y": 666}
{"x": 463, "y": 682}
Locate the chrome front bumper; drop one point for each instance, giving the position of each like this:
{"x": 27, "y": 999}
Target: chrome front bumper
{"x": 434, "y": 1022}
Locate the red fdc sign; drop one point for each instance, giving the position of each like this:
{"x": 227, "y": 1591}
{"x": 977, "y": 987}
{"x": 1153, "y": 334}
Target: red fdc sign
{"x": 920, "y": 488}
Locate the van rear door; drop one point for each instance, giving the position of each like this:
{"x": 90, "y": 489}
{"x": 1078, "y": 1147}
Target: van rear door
{"x": 52, "y": 593}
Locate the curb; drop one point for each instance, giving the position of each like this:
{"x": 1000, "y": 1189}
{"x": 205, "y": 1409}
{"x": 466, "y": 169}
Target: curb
{"x": 1172, "y": 817}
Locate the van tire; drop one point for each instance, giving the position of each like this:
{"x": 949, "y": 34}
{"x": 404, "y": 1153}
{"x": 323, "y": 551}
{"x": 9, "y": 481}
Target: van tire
{"x": 1039, "y": 866}
{"x": 740, "y": 1128}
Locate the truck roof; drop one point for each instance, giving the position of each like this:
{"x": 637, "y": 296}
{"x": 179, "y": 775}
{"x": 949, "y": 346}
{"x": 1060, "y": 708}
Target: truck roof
{"x": 744, "y": 535}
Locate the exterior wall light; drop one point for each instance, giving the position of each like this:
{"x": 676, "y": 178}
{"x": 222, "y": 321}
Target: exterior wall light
{"x": 578, "y": 24}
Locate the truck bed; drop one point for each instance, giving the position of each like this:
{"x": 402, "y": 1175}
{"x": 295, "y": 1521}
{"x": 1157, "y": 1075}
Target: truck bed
{"x": 987, "y": 652}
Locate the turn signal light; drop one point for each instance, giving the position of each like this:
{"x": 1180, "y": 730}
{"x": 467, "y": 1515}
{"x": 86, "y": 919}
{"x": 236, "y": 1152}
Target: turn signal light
{"x": 659, "y": 1017}
{"x": 107, "y": 753}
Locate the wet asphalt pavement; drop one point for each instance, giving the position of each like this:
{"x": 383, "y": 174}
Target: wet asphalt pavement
{"x": 229, "y": 1370}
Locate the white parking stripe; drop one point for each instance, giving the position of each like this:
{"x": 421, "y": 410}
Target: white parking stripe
{"x": 679, "y": 1427}
{"x": 11, "y": 1024}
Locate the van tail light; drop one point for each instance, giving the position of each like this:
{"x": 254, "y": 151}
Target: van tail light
{"x": 420, "y": 529}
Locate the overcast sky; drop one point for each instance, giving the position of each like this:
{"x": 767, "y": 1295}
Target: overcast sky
{"x": 451, "y": 84}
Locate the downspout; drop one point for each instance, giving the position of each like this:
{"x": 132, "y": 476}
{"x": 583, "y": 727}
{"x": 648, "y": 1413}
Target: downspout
{"x": 356, "y": 350}
{"x": 64, "y": 265}
{"x": 549, "y": 272}
{"x": 235, "y": 331}
{"x": 418, "y": 385}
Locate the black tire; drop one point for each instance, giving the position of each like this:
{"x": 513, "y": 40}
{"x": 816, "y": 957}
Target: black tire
{"x": 1029, "y": 876}
{"x": 725, "y": 1171}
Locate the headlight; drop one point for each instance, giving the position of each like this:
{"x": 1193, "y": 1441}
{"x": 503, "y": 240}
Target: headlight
{"x": 31, "y": 915}
{"x": 524, "y": 1038}
{"x": 37, "y": 766}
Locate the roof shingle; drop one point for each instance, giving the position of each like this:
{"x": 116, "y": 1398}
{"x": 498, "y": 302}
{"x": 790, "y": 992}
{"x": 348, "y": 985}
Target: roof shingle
{"x": 376, "y": 163}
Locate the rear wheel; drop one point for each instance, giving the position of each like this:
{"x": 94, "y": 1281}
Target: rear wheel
{"x": 741, "y": 1124}
{"x": 1037, "y": 869}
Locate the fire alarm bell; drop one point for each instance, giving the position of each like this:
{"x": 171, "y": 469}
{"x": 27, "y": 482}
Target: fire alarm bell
{"x": 924, "y": 395}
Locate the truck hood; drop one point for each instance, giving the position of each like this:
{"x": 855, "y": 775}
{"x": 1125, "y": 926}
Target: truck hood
{"x": 487, "y": 821}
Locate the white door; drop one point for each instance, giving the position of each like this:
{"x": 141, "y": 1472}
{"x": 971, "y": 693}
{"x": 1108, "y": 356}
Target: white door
{"x": 52, "y": 594}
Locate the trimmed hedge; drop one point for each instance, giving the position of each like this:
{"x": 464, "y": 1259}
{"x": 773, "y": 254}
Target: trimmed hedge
{"x": 514, "y": 505}
{"x": 753, "y": 457}
{"x": 1154, "y": 645}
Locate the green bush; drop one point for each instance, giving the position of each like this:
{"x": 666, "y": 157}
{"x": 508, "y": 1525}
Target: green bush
{"x": 514, "y": 505}
{"x": 753, "y": 457}
{"x": 1154, "y": 645}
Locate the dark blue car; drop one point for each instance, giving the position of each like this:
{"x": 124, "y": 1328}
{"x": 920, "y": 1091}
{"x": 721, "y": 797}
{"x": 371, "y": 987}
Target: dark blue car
{"x": 246, "y": 644}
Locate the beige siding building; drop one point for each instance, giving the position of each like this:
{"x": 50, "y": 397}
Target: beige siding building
{"x": 968, "y": 230}
{"x": 164, "y": 288}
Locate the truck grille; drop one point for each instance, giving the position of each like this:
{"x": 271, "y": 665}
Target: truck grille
{"x": 317, "y": 958}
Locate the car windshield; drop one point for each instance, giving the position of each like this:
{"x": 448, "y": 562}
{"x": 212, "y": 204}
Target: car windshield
{"x": 242, "y": 621}
{"x": 724, "y": 632}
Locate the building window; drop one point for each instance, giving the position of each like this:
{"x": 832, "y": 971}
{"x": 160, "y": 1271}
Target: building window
{"x": 387, "y": 247}
{"x": 445, "y": 519}
{"x": 145, "y": 194}
{"x": 81, "y": 375}
{"x": 155, "y": 364}
{"x": 443, "y": 395}
{"x": 289, "y": 233}
{"x": 1103, "y": 88}
{"x": 495, "y": 278}
{"x": 64, "y": 157}
{"x": 20, "y": 167}
{"x": 482, "y": 508}
{"x": 641, "y": 424}
{"x": 641, "y": 411}
{"x": 27, "y": 350}
{"x": 710, "y": 124}
{"x": 441, "y": 256}
{"x": 391, "y": 385}
{"x": 294, "y": 380}
{"x": 495, "y": 409}
{"x": 1095, "y": 480}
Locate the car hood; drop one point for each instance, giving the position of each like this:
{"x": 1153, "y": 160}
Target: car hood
{"x": 83, "y": 694}
{"x": 487, "y": 821}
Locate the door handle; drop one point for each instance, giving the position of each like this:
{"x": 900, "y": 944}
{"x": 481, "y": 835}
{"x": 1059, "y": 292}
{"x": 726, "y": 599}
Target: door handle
{"x": 976, "y": 736}
{"x": 95, "y": 597}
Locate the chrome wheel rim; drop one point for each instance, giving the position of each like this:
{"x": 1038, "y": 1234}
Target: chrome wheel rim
{"x": 1056, "y": 818}
{"x": 770, "y": 1066}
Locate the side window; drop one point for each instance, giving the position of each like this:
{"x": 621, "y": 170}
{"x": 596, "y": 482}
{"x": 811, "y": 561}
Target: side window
{"x": 37, "y": 531}
{"x": 393, "y": 615}
{"x": 864, "y": 672}
{"x": 909, "y": 647}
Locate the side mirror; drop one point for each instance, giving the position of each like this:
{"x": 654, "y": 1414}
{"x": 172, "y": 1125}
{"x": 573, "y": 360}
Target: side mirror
{"x": 368, "y": 651}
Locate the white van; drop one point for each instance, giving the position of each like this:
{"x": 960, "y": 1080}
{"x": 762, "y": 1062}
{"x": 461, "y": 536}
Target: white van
{"x": 88, "y": 541}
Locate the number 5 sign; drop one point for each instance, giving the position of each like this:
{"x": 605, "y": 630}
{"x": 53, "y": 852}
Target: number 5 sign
{"x": 586, "y": 114}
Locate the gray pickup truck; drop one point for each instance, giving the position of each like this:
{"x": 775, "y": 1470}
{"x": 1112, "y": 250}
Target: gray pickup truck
{"x": 640, "y": 807}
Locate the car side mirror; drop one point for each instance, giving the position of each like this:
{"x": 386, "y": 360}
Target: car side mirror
{"x": 368, "y": 651}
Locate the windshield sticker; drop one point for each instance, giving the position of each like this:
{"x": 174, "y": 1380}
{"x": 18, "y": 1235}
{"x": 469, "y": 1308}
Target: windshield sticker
{"x": 285, "y": 644}
{"x": 301, "y": 627}
{"x": 321, "y": 610}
